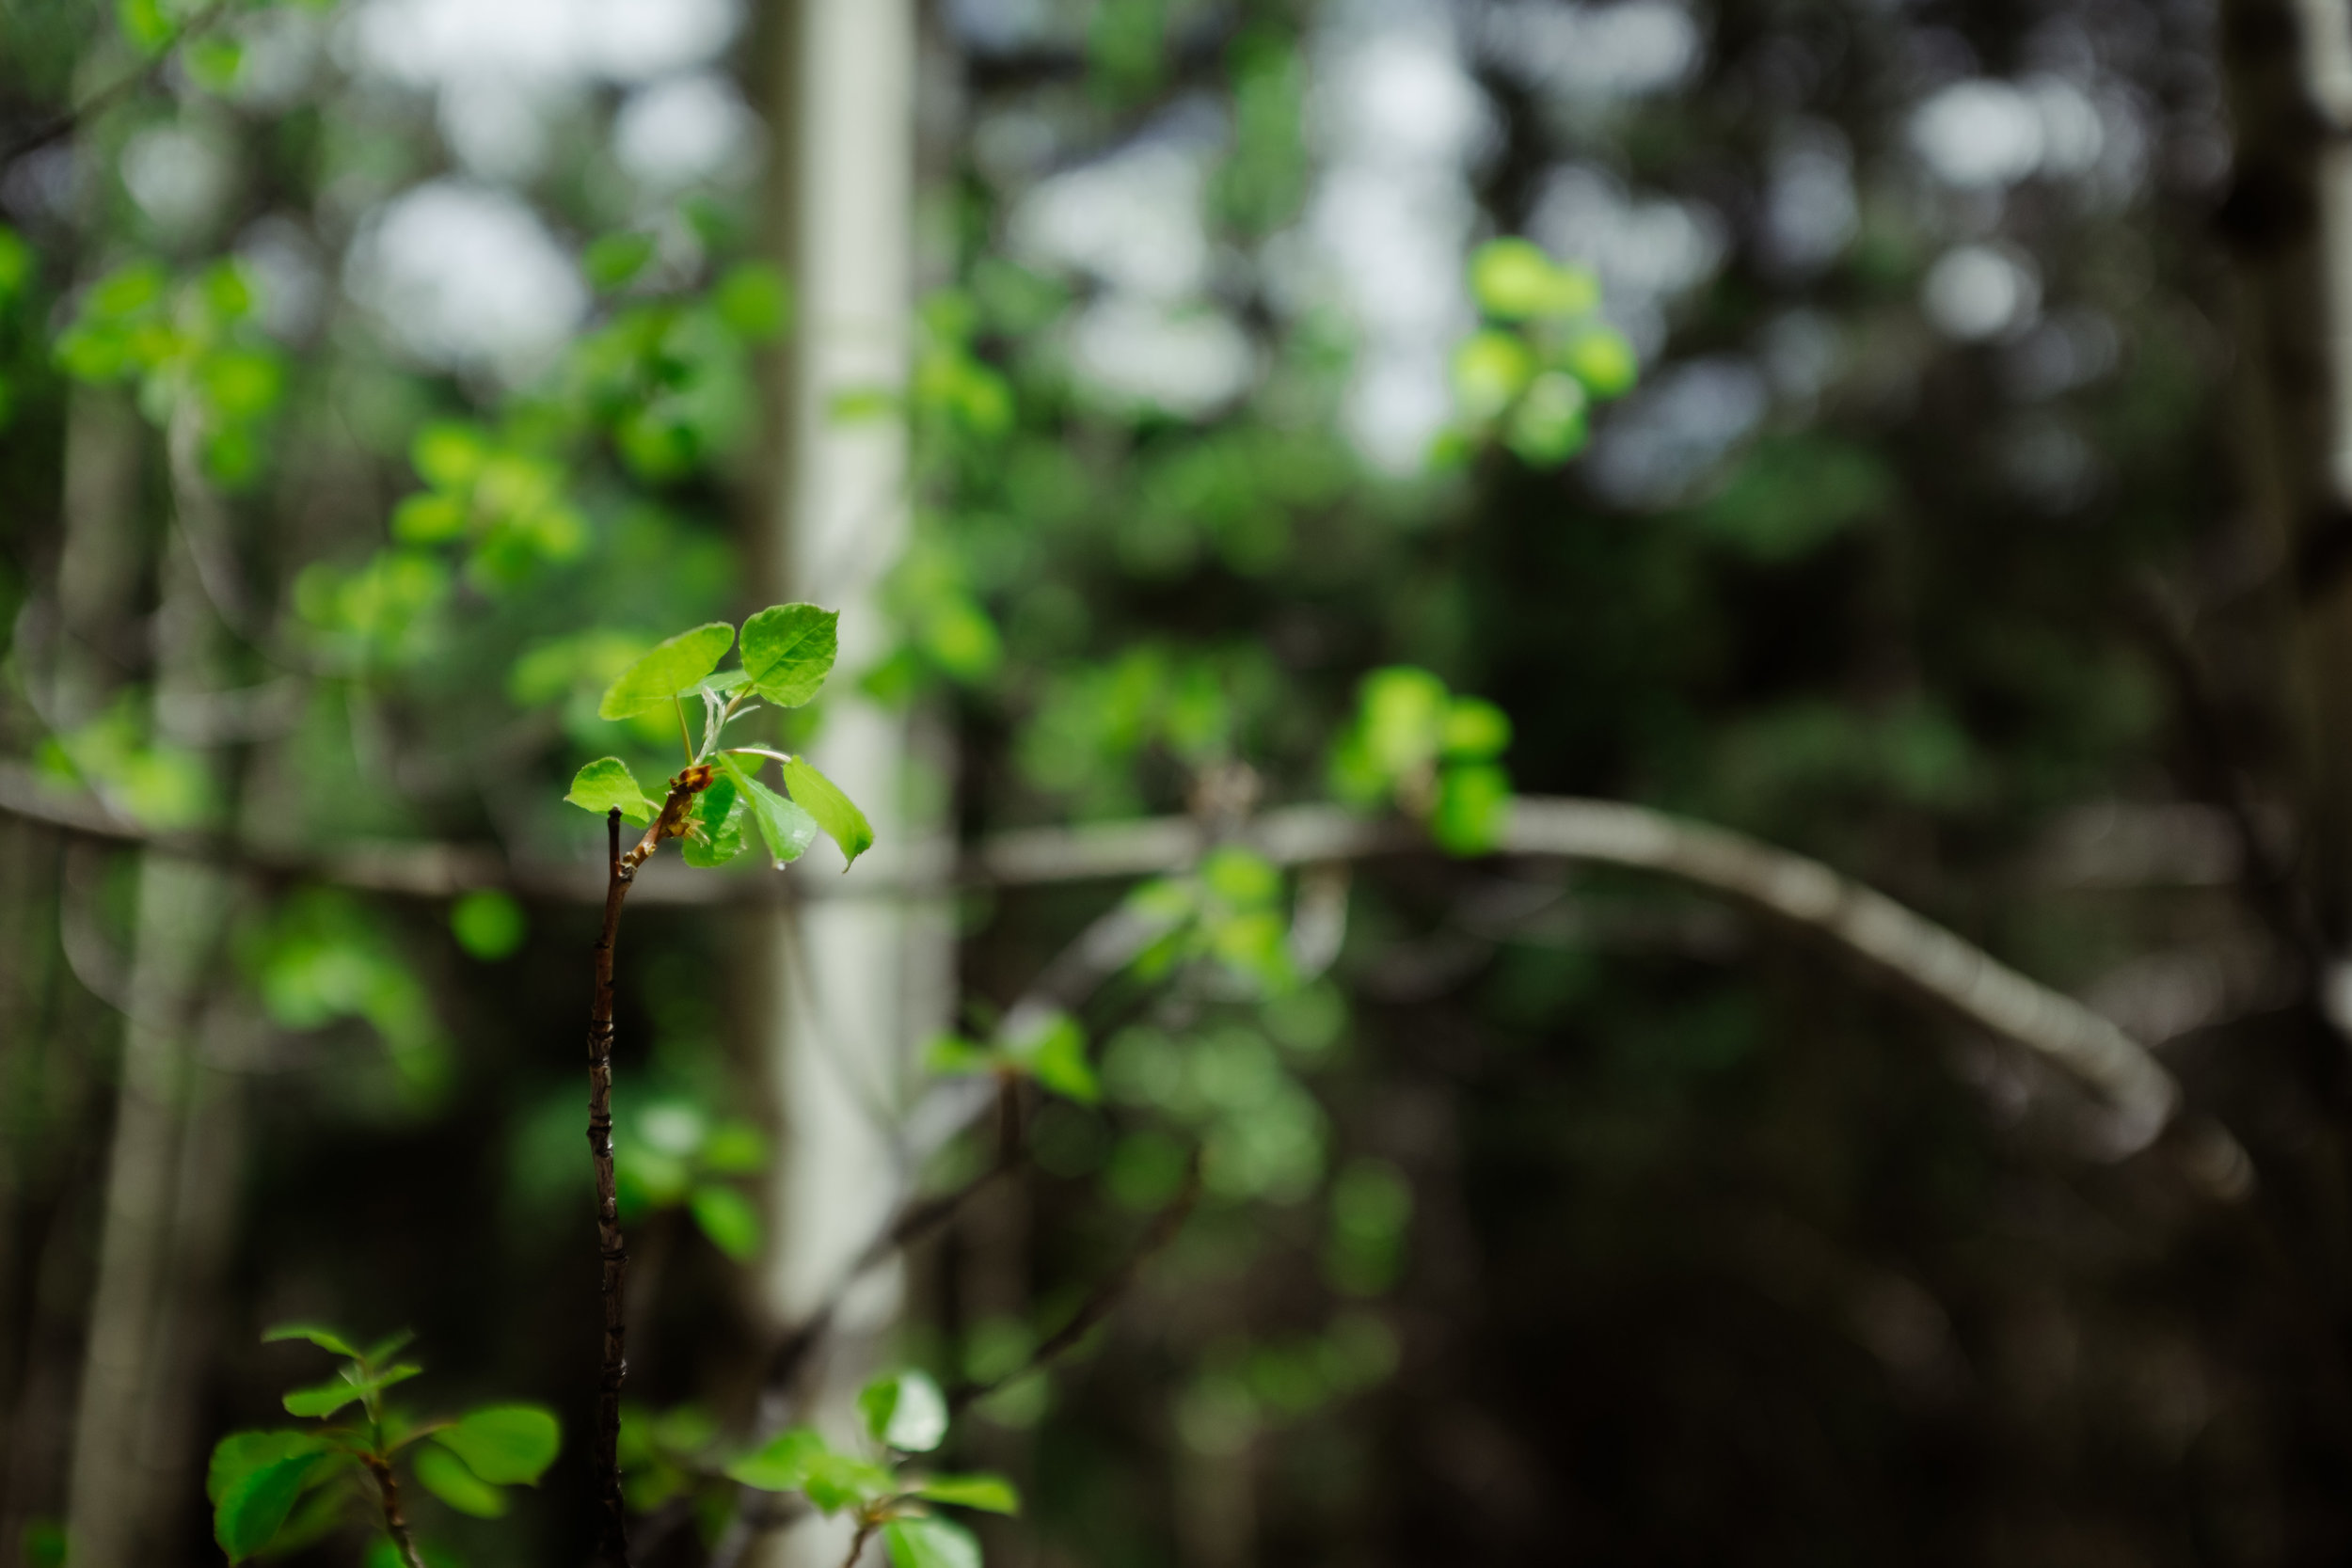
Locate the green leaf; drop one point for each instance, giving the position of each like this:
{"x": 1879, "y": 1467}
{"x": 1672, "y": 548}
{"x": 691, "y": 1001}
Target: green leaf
{"x": 1473, "y": 805}
{"x": 930, "y": 1544}
{"x": 788, "y": 829}
{"x": 607, "y": 782}
{"x": 145, "y": 24}
{"x": 1474, "y": 729}
{"x": 727, "y": 1217}
{"x": 1404, "y": 710}
{"x": 904, "y": 1411}
{"x": 428, "y": 517}
{"x": 326, "y": 1339}
{"x": 239, "y": 1454}
{"x": 452, "y": 1482}
{"x": 988, "y": 1493}
{"x": 1489, "y": 369}
{"x": 388, "y": 1346}
{"x": 788, "y": 650}
{"x": 1547, "y": 427}
{"x": 1514, "y": 279}
{"x": 715, "y": 830}
{"x": 1059, "y": 1061}
{"x": 948, "y": 1056}
{"x": 450, "y": 454}
{"x": 783, "y": 1465}
{"x": 612, "y": 260}
{"x": 255, "y": 1479}
{"x": 324, "y": 1399}
{"x": 1604, "y": 362}
{"x": 673, "y": 666}
{"x": 212, "y": 62}
{"x": 836, "y": 1481}
{"x": 487, "y": 924}
{"x": 753, "y": 301}
{"x": 391, "y": 1375}
{"x": 508, "y": 1444}
{"x": 835, "y": 812}
{"x": 1241, "y": 878}
{"x": 734, "y": 1148}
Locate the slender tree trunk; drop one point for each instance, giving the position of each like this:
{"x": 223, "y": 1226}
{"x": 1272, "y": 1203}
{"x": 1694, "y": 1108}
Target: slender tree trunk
{"x": 158, "y": 1238}
{"x": 846, "y": 988}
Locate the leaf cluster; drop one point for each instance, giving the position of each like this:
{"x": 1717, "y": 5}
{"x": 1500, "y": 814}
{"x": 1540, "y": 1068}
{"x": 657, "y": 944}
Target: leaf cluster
{"x": 787, "y": 653}
{"x": 1530, "y": 375}
{"x": 1053, "y": 1052}
{"x": 904, "y": 1416}
{"x": 1415, "y": 745}
{"x": 189, "y": 343}
{"x": 276, "y": 1491}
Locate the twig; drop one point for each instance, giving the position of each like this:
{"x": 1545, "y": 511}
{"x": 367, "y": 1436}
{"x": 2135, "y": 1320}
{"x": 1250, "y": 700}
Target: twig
{"x": 395, "y": 1526}
{"x": 1892, "y": 942}
{"x": 857, "y": 1542}
{"x": 1105, "y": 1295}
{"x": 63, "y": 124}
{"x": 614, "y": 1525}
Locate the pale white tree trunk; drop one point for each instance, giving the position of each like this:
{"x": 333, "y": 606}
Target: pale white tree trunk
{"x": 848, "y": 983}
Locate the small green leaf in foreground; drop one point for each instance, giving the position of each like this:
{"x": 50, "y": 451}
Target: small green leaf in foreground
{"x": 783, "y": 1465}
{"x": 788, "y": 650}
{"x": 326, "y": 1339}
{"x": 788, "y": 829}
{"x": 930, "y": 1544}
{"x": 450, "y": 1480}
{"x": 835, "y": 812}
{"x": 602, "y": 785}
{"x": 324, "y": 1399}
{"x": 256, "y": 1478}
{"x": 507, "y": 1444}
{"x": 904, "y": 1411}
{"x": 988, "y": 1493}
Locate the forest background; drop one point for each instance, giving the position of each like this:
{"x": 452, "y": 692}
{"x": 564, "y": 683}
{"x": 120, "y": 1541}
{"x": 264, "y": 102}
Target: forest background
{"x": 1912, "y": 441}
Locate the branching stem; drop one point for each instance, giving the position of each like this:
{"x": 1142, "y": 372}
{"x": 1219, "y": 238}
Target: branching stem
{"x": 857, "y": 1542}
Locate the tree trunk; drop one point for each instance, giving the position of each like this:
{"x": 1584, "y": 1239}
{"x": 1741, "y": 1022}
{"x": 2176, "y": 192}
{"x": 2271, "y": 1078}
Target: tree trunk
{"x": 847, "y": 985}
{"x": 162, "y": 1226}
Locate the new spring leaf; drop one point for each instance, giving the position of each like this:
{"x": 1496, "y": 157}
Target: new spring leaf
{"x": 789, "y": 651}
{"x": 672, "y": 667}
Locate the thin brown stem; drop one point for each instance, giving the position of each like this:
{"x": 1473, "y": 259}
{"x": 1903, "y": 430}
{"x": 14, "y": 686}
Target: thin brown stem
{"x": 613, "y": 1531}
{"x": 387, "y": 1490}
{"x": 857, "y": 1542}
{"x": 614, "y": 1525}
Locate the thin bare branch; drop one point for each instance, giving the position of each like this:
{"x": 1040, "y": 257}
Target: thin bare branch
{"x": 1901, "y": 947}
{"x": 57, "y": 127}
{"x": 1105, "y": 1295}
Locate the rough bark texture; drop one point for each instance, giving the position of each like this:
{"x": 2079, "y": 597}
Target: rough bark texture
{"x": 612, "y": 1524}
{"x": 613, "y": 1531}
{"x": 396, "y": 1524}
